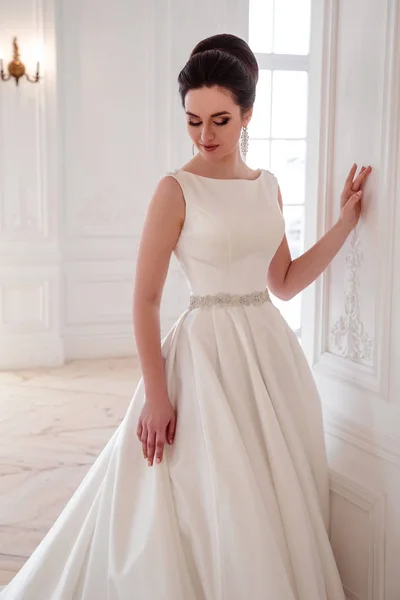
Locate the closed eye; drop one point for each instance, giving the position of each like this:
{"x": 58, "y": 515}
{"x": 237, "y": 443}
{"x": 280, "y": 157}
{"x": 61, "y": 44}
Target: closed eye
{"x": 224, "y": 122}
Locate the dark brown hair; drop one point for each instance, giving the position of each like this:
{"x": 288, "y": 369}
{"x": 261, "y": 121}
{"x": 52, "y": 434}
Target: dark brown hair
{"x": 222, "y": 60}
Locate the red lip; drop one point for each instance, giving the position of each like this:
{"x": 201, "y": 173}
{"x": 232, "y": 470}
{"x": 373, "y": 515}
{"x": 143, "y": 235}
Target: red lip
{"x": 208, "y": 147}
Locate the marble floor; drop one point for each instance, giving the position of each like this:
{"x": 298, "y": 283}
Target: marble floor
{"x": 53, "y": 424}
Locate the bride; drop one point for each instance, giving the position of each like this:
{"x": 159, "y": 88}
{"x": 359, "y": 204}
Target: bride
{"x": 215, "y": 486}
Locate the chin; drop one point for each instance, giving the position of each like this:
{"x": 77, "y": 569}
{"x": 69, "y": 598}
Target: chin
{"x": 212, "y": 156}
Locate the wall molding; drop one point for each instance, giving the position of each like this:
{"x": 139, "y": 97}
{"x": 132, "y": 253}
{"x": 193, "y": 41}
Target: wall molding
{"x": 86, "y": 278}
{"x": 40, "y": 296}
{"x": 24, "y": 211}
{"x": 379, "y": 445}
{"x": 349, "y": 336}
{"x": 82, "y": 345}
{"x": 31, "y": 351}
{"x": 374, "y": 503}
{"x": 29, "y": 229}
{"x": 371, "y": 374}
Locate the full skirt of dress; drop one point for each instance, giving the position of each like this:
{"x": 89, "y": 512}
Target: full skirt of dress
{"x": 239, "y": 506}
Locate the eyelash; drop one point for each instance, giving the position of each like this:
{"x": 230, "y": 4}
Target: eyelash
{"x": 219, "y": 124}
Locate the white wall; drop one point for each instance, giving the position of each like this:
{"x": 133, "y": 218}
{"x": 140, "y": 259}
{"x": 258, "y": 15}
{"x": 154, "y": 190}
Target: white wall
{"x": 80, "y": 156}
{"x": 352, "y": 326}
{"x": 30, "y": 318}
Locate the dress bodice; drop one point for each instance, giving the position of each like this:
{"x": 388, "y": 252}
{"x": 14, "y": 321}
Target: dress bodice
{"x": 231, "y": 232}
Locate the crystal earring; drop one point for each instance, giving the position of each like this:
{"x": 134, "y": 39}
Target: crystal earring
{"x": 193, "y": 147}
{"x": 244, "y": 142}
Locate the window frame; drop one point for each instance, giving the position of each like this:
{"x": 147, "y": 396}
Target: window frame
{"x": 288, "y": 62}
{"x": 313, "y": 64}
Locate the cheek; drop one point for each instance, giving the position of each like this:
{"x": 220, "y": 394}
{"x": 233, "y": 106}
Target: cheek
{"x": 232, "y": 136}
{"x": 194, "y": 132}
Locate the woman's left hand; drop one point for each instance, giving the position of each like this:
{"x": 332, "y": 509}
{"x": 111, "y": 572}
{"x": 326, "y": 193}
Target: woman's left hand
{"x": 351, "y": 196}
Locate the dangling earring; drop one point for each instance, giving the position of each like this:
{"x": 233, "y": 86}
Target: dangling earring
{"x": 193, "y": 147}
{"x": 244, "y": 142}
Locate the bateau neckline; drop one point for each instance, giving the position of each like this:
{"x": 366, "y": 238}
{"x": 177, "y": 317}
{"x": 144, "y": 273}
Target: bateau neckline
{"x": 223, "y": 179}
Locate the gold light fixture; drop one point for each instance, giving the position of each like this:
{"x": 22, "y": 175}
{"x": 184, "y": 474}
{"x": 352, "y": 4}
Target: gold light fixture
{"x": 16, "y": 68}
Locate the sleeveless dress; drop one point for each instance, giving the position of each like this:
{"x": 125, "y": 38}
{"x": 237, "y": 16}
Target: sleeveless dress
{"x": 239, "y": 506}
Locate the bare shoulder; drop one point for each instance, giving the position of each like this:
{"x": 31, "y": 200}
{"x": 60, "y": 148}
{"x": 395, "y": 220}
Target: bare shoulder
{"x": 169, "y": 187}
{"x": 168, "y": 199}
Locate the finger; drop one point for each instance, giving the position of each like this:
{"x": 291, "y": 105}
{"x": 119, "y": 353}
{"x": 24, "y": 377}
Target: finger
{"x": 355, "y": 198}
{"x": 171, "y": 430}
{"x": 151, "y": 445}
{"x": 144, "y": 441}
{"x": 365, "y": 171}
{"x": 354, "y": 187}
{"x": 350, "y": 177}
{"x": 139, "y": 431}
{"x": 159, "y": 448}
{"x": 369, "y": 171}
{"x": 361, "y": 178}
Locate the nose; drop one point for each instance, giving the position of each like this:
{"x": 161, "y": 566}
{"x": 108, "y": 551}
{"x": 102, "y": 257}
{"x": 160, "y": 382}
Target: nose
{"x": 207, "y": 134}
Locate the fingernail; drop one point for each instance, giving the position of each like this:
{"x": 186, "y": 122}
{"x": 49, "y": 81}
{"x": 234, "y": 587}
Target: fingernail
{"x": 170, "y": 441}
{"x": 157, "y": 460}
{"x": 359, "y": 193}
{"x": 149, "y": 463}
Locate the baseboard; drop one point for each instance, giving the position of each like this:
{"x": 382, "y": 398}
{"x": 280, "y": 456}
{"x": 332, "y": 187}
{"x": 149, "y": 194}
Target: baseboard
{"x": 111, "y": 345}
{"x": 30, "y": 351}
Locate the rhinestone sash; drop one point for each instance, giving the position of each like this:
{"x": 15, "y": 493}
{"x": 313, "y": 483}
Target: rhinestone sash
{"x": 227, "y": 299}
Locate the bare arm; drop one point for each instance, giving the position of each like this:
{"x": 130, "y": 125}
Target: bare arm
{"x": 161, "y": 230}
{"x": 287, "y": 277}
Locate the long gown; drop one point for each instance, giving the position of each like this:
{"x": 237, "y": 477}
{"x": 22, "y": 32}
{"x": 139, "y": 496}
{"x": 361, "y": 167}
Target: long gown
{"x": 239, "y": 506}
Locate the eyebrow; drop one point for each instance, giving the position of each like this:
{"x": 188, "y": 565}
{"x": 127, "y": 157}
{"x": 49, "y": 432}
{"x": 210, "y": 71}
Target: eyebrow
{"x": 218, "y": 114}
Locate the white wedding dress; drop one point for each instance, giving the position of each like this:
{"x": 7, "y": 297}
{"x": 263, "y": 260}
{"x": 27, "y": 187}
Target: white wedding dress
{"x": 239, "y": 506}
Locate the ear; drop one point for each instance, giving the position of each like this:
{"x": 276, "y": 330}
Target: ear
{"x": 247, "y": 116}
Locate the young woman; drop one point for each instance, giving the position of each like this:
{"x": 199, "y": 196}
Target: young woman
{"x": 215, "y": 486}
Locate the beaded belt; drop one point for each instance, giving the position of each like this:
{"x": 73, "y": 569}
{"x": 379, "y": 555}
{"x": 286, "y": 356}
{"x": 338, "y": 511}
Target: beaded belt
{"x": 226, "y": 299}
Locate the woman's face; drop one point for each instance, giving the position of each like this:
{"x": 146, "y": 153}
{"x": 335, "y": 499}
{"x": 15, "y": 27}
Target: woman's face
{"x": 214, "y": 120}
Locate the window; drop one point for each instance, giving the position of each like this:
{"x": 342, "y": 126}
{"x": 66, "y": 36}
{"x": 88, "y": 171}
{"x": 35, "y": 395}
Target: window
{"x": 279, "y": 35}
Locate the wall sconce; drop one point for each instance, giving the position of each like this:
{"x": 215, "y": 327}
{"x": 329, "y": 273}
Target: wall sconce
{"x": 16, "y": 68}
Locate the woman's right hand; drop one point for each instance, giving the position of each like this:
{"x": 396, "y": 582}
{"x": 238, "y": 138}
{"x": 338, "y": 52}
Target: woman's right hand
{"x": 157, "y": 423}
